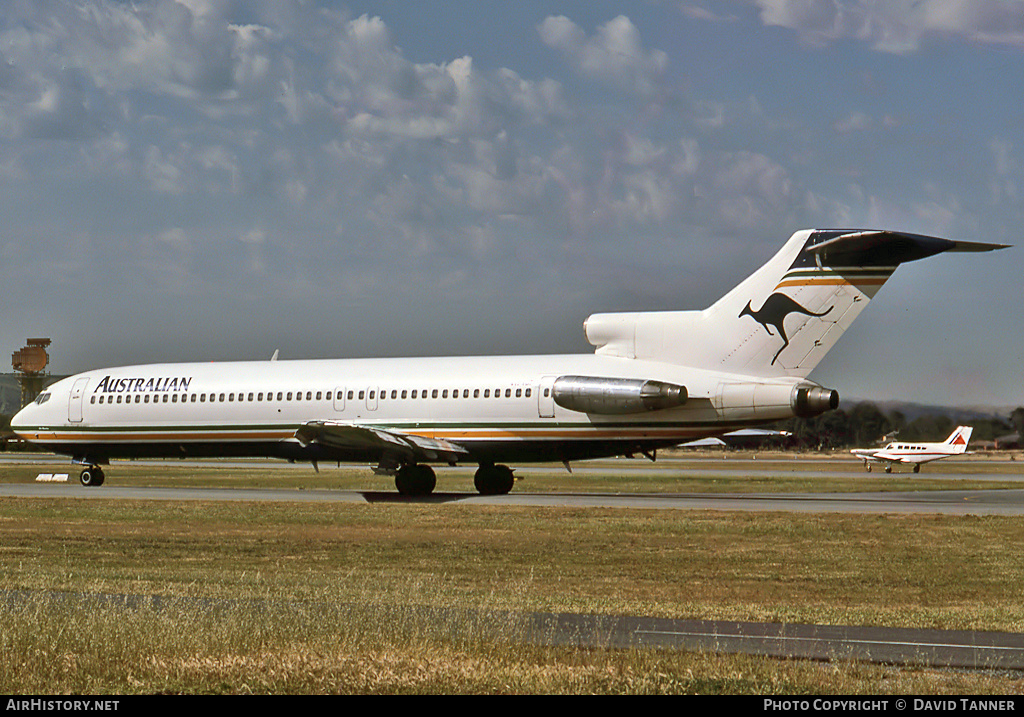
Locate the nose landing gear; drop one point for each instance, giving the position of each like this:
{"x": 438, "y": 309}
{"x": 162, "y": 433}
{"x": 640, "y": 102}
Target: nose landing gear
{"x": 91, "y": 476}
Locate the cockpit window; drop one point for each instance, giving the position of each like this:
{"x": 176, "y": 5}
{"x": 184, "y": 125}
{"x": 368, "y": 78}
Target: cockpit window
{"x": 42, "y": 398}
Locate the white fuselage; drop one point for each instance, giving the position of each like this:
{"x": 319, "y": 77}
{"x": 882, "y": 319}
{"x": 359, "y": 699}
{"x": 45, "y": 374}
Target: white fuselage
{"x": 499, "y": 408}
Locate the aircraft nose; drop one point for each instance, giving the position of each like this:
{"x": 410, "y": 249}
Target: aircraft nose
{"x": 20, "y": 418}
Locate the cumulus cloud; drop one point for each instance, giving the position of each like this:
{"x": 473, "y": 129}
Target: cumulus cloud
{"x": 614, "y": 54}
{"x": 899, "y": 26}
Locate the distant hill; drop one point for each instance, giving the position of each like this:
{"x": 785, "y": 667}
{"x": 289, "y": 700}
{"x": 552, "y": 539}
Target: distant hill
{"x": 958, "y": 414}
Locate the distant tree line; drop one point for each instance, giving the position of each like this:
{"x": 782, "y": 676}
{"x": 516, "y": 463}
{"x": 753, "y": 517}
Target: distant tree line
{"x": 865, "y": 425}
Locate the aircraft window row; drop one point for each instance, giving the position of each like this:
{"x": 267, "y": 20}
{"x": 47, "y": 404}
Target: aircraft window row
{"x": 442, "y": 393}
{"x": 255, "y": 397}
{"x": 216, "y": 397}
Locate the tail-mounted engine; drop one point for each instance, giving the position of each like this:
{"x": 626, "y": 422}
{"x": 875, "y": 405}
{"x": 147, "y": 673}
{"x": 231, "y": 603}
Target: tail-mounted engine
{"x": 810, "y": 401}
{"x": 616, "y": 396}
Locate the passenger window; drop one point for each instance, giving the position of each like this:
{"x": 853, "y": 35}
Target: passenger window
{"x": 527, "y": 393}
{"x": 280, "y": 396}
{"x": 350, "y": 395}
{"x": 433, "y": 394}
{"x": 404, "y": 393}
{"x": 318, "y": 395}
{"x": 476, "y": 393}
{"x": 414, "y": 393}
{"x": 508, "y": 393}
{"x": 487, "y": 393}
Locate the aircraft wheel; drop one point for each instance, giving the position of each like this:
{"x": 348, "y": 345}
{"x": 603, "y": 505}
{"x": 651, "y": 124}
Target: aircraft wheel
{"x": 91, "y": 476}
{"x": 917, "y": 468}
{"x": 494, "y": 480}
{"x": 869, "y": 468}
{"x": 888, "y": 469}
{"x": 416, "y": 479}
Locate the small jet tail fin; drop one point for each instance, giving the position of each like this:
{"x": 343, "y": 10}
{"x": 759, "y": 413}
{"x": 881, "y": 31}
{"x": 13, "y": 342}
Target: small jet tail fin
{"x": 959, "y": 438}
{"x": 784, "y": 318}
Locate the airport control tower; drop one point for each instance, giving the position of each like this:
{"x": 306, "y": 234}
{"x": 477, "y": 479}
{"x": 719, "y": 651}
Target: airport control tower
{"x": 30, "y": 363}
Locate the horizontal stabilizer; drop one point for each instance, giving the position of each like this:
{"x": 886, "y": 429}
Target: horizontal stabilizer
{"x": 884, "y": 248}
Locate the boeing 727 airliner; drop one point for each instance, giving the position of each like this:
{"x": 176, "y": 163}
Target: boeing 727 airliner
{"x": 656, "y": 379}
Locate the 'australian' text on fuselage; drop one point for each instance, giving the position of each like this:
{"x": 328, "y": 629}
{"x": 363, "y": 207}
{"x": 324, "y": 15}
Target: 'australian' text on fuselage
{"x": 136, "y": 385}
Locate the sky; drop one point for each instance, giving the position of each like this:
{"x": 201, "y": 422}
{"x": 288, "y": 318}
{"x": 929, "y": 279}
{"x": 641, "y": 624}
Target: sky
{"x": 206, "y": 180}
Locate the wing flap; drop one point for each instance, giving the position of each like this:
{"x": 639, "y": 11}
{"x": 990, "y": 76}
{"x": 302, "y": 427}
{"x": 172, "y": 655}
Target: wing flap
{"x": 347, "y": 436}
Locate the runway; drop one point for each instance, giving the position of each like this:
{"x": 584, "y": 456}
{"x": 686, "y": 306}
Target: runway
{"x": 951, "y": 502}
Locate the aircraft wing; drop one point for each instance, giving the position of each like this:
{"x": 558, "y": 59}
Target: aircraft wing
{"x": 354, "y": 437}
{"x": 871, "y": 454}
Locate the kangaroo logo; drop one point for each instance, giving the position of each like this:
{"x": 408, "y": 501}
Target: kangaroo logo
{"x": 774, "y": 312}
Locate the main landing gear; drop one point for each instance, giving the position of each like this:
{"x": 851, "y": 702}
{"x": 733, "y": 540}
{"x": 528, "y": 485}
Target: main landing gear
{"x": 418, "y": 479}
{"x": 91, "y": 476}
{"x": 415, "y": 479}
{"x": 494, "y": 480}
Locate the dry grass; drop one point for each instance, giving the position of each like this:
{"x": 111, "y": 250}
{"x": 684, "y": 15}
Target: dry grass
{"x": 77, "y": 646}
{"x": 311, "y": 598}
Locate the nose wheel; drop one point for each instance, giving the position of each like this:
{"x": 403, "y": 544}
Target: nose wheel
{"x": 91, "y": 476}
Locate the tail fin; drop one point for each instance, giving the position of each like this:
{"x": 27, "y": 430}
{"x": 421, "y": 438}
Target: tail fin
{"x": 960, "y": 438}
{"x": 784, "y": 318}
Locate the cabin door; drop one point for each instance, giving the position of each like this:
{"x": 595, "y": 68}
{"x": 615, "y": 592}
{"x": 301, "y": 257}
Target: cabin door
{"x": 76, "y": 400}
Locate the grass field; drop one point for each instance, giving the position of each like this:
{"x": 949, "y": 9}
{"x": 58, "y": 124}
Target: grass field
{"x": 311, "y": 596}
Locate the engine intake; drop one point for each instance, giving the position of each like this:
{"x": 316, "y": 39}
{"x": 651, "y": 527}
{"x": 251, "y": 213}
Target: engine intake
{"x": 616, "y": 396}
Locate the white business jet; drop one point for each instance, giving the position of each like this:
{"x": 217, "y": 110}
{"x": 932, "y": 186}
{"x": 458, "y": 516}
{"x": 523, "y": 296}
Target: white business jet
{"x": 656, "y": 379}
{"x": 916, "y": 453}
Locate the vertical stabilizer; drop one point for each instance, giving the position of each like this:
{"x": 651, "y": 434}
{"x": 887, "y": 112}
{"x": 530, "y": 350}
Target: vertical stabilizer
{"x": 959, "y": 438}
{"x": 784, "y": 318}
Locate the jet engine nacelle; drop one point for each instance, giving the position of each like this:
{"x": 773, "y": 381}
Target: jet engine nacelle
{"x": 616, "y": 396}
{"x": 743, "y": 400}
